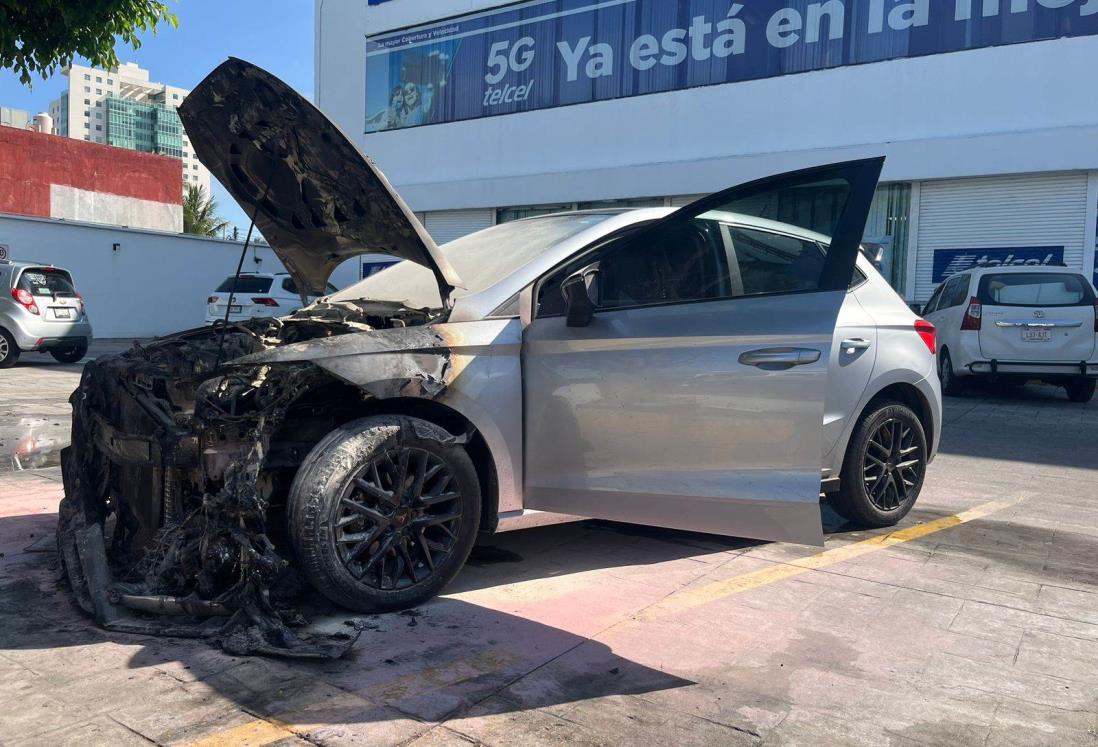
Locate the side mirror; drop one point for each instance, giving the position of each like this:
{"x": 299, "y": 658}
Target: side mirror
{"x": 579, "y": 309}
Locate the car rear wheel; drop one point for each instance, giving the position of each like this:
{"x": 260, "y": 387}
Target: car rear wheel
{"x": 1081, "y": 390}
{"x": 70, "y": 354}
{"x": 951, "y": 385}
{"x": 9, "y": 351}
{"x": 884, "y": 466}
{"x": 384, "y": 512}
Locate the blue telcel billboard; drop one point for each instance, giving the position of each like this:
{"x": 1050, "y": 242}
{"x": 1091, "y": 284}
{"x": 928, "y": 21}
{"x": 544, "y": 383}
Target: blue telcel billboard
{"x": 548, "y": 53}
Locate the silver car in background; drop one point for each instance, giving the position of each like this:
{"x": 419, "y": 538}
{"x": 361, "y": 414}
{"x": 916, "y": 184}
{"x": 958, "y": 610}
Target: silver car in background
{"x": 711, "y": 368}
{"x": 41, "y": 312}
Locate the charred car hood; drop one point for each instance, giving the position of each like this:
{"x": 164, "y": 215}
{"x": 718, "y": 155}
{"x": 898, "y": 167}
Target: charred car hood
{"x": 316, "y": 198}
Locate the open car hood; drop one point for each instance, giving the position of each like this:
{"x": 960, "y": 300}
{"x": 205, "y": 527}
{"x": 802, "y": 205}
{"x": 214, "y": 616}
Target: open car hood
{"x": 316, "y": 198}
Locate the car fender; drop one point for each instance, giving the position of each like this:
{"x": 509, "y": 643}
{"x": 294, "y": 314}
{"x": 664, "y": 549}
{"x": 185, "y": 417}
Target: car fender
{"x": 471, "y": 367}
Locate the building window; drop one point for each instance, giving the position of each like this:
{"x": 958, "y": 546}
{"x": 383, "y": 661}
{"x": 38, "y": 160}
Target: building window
{"x": 98, "y": 79}
{"x": 87, "y": 113}
{"x": 110, "y": 81}
{"x": 99, "y": 128}
{"x": 87, "y": 89}
{"x": 87, "y": 77}
{"x": 175, "y": 96}
{"x": 99, "y": 115}
{"x": 195, "y": 167}
{"x": 98, "y": 91}
{"x": 87, "y": 102}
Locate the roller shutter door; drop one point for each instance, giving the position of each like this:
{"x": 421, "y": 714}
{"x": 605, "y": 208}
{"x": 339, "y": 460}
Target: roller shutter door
{"x": 447, "y": 225}
{"x": 993, "y": 212}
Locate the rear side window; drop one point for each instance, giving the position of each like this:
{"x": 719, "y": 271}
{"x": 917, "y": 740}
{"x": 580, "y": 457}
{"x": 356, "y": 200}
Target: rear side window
{"x": 46, "y": 281}
{"x": 956, "y": 292}
{"x": 1036, "y": 289}
{"x": 245, "y": 284}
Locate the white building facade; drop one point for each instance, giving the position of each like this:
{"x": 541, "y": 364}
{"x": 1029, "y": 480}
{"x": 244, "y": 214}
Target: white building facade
{"x": 984, "y": 110}
{"x": 122, "y": 107}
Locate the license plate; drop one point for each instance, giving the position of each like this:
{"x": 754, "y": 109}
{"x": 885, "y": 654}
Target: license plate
{"x": 234, "y": 309}
{"x": 61, "y": 313}
{"x": 1036, "y": 335}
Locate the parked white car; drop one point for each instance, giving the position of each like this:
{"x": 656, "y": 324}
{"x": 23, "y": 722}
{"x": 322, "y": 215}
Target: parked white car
{"x": 1017, "y": 324}
{"x": 256, "y": 294}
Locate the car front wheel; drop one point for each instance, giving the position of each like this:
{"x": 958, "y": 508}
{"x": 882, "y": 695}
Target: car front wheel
{"x": 384, "y": 512}
{"x": 884, "y": 466}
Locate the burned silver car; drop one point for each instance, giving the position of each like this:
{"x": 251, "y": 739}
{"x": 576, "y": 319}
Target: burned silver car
{"x": 664, "y": 367}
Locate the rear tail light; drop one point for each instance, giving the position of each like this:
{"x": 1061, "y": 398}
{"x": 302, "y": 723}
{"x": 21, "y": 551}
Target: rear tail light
{"x": 973, "y": 314}
{"x": 212, "y": 299}
{"x": 928, "y": 334}
{"x": 265, "y": 301}
{"x": 25, "y": 299}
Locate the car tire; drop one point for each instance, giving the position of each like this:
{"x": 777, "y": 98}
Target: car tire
{"x": 371, "y": 540}
{"x": 951, "y": 385}
{"x": 9, "y": 351}
{"x": 874, "y": 455}
{"x": 1080, "y": 390}
{"x": 70, "y": 354}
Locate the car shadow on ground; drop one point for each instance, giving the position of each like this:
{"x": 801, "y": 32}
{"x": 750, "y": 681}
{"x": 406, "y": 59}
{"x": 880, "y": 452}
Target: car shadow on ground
{"x": 430, "y": 663}
{"x": 427, "y": 663}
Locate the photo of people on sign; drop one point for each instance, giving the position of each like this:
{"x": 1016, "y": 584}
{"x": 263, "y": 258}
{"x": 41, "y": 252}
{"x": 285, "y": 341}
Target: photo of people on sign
{"x": 548, "y": 53}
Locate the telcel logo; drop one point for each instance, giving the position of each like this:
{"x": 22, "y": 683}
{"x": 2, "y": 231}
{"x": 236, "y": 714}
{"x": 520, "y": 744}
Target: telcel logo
{"x": 1010, "y": 261}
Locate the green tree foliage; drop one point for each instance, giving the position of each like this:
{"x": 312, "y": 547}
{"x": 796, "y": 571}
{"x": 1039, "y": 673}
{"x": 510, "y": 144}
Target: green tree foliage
{"x": 200, "y": 213}
{"x": 38, "y": 36}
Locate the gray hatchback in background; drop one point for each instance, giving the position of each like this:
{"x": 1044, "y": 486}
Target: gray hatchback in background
{"x": 41, "y": 312}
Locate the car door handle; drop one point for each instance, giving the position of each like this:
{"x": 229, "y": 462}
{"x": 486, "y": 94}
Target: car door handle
{"x": 779, "y": 358}
{"x": 851, "y": 344}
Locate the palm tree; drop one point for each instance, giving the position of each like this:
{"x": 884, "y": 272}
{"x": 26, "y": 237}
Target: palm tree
{"x": 200, "y": 213}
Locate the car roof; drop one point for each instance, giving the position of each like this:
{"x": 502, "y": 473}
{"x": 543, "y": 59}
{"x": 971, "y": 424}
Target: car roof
{"x": 22, "y": 264}
{"x": 740, "y": 219}
{"x": 1057, "y": 269}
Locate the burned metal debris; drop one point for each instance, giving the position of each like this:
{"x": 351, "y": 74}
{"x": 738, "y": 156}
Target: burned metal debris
{"x": 178, "y": 468}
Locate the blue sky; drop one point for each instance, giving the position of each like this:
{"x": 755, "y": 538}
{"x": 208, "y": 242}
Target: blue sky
{"x": 274, "y": 34}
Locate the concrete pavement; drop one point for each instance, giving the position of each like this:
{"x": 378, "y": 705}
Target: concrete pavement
{"x": 975, "y": 623}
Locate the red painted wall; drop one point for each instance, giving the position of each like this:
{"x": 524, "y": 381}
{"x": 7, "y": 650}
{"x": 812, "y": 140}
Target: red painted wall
{"x": 30, "y": 162}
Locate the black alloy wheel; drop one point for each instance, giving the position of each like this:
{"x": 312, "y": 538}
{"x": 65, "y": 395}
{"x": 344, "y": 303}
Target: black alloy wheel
{"x": 893, "y": 464}
{"x": 397, "y": 519}
{"x": 383, "y": 512}
{"x": 884, "y": 466}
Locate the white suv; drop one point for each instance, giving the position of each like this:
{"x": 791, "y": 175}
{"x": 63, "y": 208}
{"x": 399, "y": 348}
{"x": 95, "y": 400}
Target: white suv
{"x": 1017, "y": 323}
{"x": 256, "y": 294}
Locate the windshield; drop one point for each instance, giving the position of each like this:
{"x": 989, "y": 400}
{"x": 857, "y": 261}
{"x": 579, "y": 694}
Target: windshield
{"x": 481, "y": 259}
{"x": 47, "y": 281}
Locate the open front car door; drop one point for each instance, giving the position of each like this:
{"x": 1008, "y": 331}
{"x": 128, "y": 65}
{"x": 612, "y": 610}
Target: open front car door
{"x": 676, "y": 376}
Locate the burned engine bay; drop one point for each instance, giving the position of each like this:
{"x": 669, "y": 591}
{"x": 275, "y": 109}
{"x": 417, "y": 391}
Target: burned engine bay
{"x": 179, "y": 465}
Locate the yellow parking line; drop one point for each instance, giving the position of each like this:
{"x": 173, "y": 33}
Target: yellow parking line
{"x": 250, "y": 734}
{"x": 690, "y": 598}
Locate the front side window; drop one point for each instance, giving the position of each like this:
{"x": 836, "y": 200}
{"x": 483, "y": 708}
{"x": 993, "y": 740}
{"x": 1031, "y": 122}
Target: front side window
{"x": 758, "y": 243}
